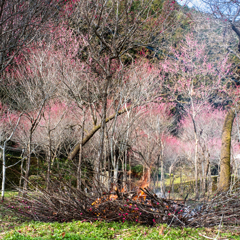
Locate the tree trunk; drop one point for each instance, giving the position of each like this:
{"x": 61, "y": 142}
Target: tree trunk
{"x": 93, "y": 131}
{"x": 209, "y": 183}
{"x": 125, "y": 170}
{"x": 48, "y": 172}
{"x": 22, "y": 172}
{"x": 172, "y": 186}
{"x": 170, "y": 179}
{"x": 181, "y": 181}
{"x": 162, "y": 185}
{"x": 25, "y": 183}
{"x": 225, "y": 175}
{"x": 115, "y": 170}
{"x": 196, "y": 166}
{"x": 205, "y": 181}
{"x": 79, "y": 172}
{"x": 49, "y": 157}
{"x": 129, "y": 176}
{"x": 3, "y": 170}
{"x": 102, "y": 131}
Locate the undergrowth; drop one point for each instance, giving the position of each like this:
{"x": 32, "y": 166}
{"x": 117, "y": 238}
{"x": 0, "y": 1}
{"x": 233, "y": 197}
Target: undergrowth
{"x": 80, "y": 230}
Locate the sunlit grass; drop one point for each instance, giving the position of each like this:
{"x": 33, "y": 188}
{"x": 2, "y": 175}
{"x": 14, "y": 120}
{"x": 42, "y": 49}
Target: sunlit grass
{"x": 101, "y": 230}
{"x": 10, "y": 194}
{"x": 8, "y": 219}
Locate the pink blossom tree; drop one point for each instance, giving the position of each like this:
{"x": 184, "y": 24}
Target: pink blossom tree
{"x": 209, "y": 123}
{"x": 110, "y": 30}
{"x": 194, "y": 81}
{"x": 21, "y": 22}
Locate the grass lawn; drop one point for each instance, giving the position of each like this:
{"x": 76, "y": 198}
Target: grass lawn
{"x": 8, "y": 219}
{"x": 102, "y": 230}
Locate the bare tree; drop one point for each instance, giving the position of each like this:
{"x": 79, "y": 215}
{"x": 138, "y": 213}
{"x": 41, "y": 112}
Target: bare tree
{"x": 28, "y": 90}
{"x": 3, "y": 148}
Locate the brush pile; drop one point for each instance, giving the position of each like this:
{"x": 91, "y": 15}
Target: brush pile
{"x": 224, "y": 208}
{"x": 66, "y": 204}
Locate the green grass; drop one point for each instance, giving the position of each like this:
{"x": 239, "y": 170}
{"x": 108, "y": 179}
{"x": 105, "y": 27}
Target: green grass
{"x": 177, "y": 180}
{"x": 10, "y": 194}
{"x": 8, "y": 219}
{"x": 102, "y": 230}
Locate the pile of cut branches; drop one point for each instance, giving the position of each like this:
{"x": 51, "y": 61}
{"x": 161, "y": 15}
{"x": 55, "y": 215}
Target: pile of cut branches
{"x": 65, "y": 203}
{"x": 224, "y": 208}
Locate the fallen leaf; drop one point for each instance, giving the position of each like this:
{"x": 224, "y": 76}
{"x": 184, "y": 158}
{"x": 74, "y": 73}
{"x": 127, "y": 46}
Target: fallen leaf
{"x": 208, "y": 229}
{"x": 161, "y": 232}
{"x": 63, "y": 234}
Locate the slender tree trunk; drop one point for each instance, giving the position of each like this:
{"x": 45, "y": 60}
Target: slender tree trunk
{"x": 181, "y": 181}
{"x": 225, "y": 175}
{"x": 235, "y": 172}
{"x": 102, "y": 133}
{"x": 48, "y": 171}
{"x": 205, "y": 182}
{"x": 172, "y": 190}
{"x": 170, "y": 179}
{"x": 209, "y": 182}
{"x": 104, "y": 176}
{"x": 125, "y": 170}
{"x": 79, "y": 172}
{"x": 129, "y": 176}
{"x": 125, "y": 156}
{"x": 25, "y": 183}
{"x": 22, "y": 172}
{"x": 148, "y": 174}
{"x": 196, "y": 167}
{"x": 109, "y": 175}
{"x": 196, "y": 158}
{"x": 115, "y": 170}
{"x": 4, "y": 167}
{"x": 103, "y": 125}
{"x": 162, "y": 178}
{"x": 3, "y": 170}
{"x": 49, "y": 157}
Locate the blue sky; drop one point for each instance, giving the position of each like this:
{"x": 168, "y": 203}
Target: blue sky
{"x": 198, "y": 4}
